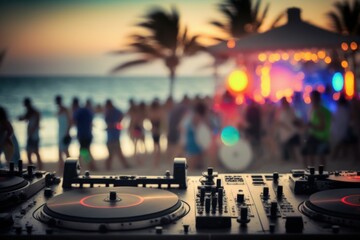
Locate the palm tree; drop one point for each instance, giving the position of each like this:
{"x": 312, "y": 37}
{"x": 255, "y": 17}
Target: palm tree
{"x": 241, "y": 17}
{"x": 345, "y": 19}
{"x": 163, "y": 41}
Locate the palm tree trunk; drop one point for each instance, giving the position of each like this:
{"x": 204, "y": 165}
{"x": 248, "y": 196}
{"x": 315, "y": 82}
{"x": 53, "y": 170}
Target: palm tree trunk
{"x": 172, "y": 80}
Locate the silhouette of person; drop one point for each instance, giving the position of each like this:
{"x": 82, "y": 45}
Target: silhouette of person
{"x": 32, "y": 116}
{"x": 8, "y": 143}
{"x": 83, "y": 119}
{"x": 113, "y": 117}
{"x": 318, "y": 128}
{"x": 156, "y": 117}
{"x": 64, "y": 124}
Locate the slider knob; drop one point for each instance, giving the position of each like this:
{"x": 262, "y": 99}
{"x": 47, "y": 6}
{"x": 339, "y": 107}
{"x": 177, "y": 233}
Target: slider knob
{"x": 279, "y": 192}
{"x": 273, "y": 209}
{"x": 244, "y": 216}
{"x": 265, "y": 192}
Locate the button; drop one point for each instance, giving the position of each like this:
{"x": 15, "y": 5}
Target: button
{"x": 240, "y": 197}
{"x": 48, "y": 192}
{"x": 207, "y": 204}
{"x": 265, "y": 192}
{"x": 279, "y": 191}
{"x": 158, "y": 229}
{"x": 210, "y": 171}
{"x": 321, "y": 169}
{"x": 312, "y": 170}
{"x": 335, "y": 228}
{"x": 186, "y": 228}
{"x": 276, "y": 177}
{"x": 87, "y": 174}
{"x": 272, "y": 228}
{"x": 294, "y": 224}
{"x": 29, "y": 228}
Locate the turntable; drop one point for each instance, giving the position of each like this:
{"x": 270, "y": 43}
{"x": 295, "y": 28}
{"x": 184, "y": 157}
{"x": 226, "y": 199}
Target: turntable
{"x": 122, "y": 208}
{"x": 298, "y": 205}
{"x": 17, "y": 184}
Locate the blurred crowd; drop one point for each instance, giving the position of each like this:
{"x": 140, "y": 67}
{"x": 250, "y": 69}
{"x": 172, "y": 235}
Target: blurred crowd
{"x": 193, "y": 128}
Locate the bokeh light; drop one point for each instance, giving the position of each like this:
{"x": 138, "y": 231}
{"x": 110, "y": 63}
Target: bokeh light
{"x": 338, "y": 81}
{"x": 230, "y": 135}
{"x": 237, "y": 81}
{"x": 349, "y": 84}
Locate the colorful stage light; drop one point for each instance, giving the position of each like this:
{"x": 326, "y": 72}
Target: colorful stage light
{"x": 338, "y": 81}
{"x": 237, "y": 81}
{"x": 349, "y": 84}
{"x": 230, "y": 135}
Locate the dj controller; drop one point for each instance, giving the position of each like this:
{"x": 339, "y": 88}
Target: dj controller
{"x": 301, "y": 204}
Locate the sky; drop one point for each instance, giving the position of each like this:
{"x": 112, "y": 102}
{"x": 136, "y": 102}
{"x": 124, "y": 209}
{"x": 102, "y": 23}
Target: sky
{"x": 75, "y": 37}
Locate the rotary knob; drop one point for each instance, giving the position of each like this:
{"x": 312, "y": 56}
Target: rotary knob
{"x": 273, "y": 209}
{"x": 244, "y": 215}
{"x": 275, "y": 177}
{"x": 279, "y": 191}
{"x": 265, "y": 192}
{"x": 240, "y": 197}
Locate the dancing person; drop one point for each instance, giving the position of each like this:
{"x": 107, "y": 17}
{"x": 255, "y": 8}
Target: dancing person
{"x": 113, "y": 118}
{"x": 193, "y": 150}
{"x": 32, "y": 116}
{"x": 288, "y": 130}
{"x": 137, "y": 116}
{"x": 64, "y": 124}
{"x": 6, "y": 133}
{"x": 318, "y": 132}
{"x": 83, "y": 119}
{"x": 156, "y": 117}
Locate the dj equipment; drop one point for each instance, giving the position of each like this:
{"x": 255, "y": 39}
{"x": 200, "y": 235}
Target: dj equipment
{"x": 301, "y": 204}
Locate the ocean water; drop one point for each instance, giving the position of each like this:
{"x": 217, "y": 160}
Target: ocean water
{"x": 42, "y": 91}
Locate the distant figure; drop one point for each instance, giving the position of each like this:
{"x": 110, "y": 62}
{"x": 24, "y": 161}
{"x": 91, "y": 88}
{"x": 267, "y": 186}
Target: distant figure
{"x": 137, "y": 133}
{"x": 317, "y": 141}
{"x": 288, "y": 130}
{"x": 156, "y": 117}
{"x": 64, "y": 124}
{"x": 341, "y": 132}
{"x": 176, "y": 115}
{"x": 113, "y": 117}
{"x": 83, "y": 118}
{"x": 193, "y": 150}
{"x": 253, "y": 120}
{"x": 32, "y": 116}
{"x": 8, "y": 142}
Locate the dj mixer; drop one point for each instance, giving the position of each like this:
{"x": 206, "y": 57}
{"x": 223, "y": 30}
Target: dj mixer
{"x": 300, "y": 204}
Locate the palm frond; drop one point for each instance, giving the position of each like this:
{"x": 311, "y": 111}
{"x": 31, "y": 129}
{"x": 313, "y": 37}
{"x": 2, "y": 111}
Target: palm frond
{"x": 129, "y": 64}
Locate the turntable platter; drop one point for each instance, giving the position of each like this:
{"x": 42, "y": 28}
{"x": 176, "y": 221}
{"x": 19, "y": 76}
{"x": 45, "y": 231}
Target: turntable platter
{"x": 11, "y": 183}
{"x": 340, "y": 206}
{"x": 118, "y": 208}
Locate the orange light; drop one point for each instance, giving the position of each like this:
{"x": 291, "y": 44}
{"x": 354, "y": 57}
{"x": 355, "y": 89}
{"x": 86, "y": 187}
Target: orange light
{"x": 336, "y": 96}
{"x": 239, "y": 99}
{"x": 314, "y": 57}
{"x": 297, "y": 57}
{"x": 353, "y": 46}
{"x": 307, "y": 100}
{"x": 265, "y": 81}
{"x": 231, "y": 43}
{"x": 327, "y": 60}
{"x": 349, "y": 84}
{"x": 344, "y": 46}
{"x": 288, "y": 92}
{"x": 277, "y": 57}
{"x": 307, "y": 56}
{"x": 344, "y": 64}
{"x": 258, "y": 98}
{"x": 279, "y": 95}
{"x": 285, "y": 56}
{"x": 237, "y": 81}
{"x": 321, "y": 54}
{"x": 262, "y": 57}
{"x": 289, "y": 99}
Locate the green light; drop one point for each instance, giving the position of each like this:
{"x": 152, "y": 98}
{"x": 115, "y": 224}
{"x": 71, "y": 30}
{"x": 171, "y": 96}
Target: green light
{"x": 230, "y": 135}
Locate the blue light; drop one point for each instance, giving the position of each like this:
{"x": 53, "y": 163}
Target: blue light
{"x": 338, "y": 81}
